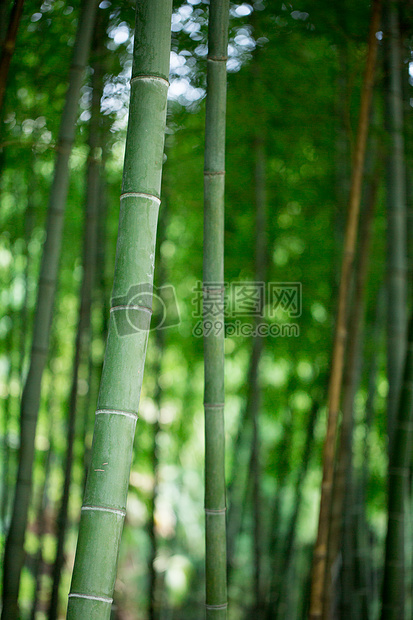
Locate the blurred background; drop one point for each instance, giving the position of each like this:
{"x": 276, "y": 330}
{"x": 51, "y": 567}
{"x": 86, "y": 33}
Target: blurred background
{"x": 295, "y": 72}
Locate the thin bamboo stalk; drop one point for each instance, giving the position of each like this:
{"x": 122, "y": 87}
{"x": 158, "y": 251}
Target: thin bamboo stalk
{"x": 213, "y": 290}
{"x": 288, "y": 550}
{"x": 320, "y": 550}
{"x": 396, "y": 216}
{"x": 258, "y": 345}
{"x": 82, "y": 344}
{"x": 364, "y": 589}
{"x": 104, "y": 504}
{"x": 41, "y": 510}
{"x": 343, "y": 474}
{"x": 14, "y": 551}
{"x": 393, "y": 601}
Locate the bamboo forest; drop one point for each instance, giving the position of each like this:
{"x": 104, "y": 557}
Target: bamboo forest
{"x": 206, "y": 310}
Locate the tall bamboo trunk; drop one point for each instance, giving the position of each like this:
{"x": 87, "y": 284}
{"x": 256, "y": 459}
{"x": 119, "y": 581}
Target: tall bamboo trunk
{"x": 104, "y": 503}
{"x": 288, "y": 548}
{"x": 320, "y": 550}
{"x": 343, "y": 475}
{"x": 346, "y": 483}
{"x": 365, "y": 587}
{"x": 258, "y": 346}
{"x": 9, "y": 45}
{"x": 213, "y": 290}
{"x": 393, "y": 601}
{"x": 282, "y": 468}
{"x": 14, "y": 551}
{"x": 82, "y": 344}
{"x": 396, "y": 216}
{"x": 40, "y": 519}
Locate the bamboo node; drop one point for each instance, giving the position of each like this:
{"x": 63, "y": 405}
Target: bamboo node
{"x": 141, "y": 195}
{"x": 217, "y": 58}
{"x": 149, "y": 78}
{"x": 212, "y": 173}
{"x": 116, "y": 511}
{"x": 216, "y": 607}
{"x": 101, "y": 599}
{"x": 127, "y": 414}
{"x": 211, "y": 511}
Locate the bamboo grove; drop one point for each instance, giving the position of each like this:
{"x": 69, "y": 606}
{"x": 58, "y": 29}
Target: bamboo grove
{"x": 206, "y": 411}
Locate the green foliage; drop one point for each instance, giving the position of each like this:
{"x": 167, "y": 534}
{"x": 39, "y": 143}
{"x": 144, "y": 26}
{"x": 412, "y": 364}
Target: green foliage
{"x": 298, "y": 53}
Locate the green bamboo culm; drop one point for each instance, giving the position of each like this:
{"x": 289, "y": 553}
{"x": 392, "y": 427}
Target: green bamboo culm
{"x": 396, "y": 212}
{"x": 14, "y": 549}
{"x": 104, "y": 502}
{"x": 213, "y": 292}
{"x": 393, "y": 602}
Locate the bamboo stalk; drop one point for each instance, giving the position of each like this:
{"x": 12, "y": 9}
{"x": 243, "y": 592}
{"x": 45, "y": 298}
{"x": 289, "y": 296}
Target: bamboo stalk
{"x": 396, "y": 217}
{"x": 213, "y": 290}
{"x": 104, "y": 503}
{"x": 289, "y": 543}
{"x": 14, "y": 551}
{"x": 393, "y": 581}
{"x": 320, "y": 550}
{"x": 344, "y": 474}
{"x": 82, "y": 344}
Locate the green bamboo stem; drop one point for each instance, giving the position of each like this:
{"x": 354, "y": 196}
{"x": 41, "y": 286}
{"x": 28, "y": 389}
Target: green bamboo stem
{"x": 258, "y": 345}
{"x": 41, "y": 510}
{"x": 346, "y": 484}
{"x": 214, "y": 186}
{"x": 14, "y": 551}
{"x": 393, "y": 600}
{"x": 340, "y": 335}
{"x": 396, "y": 216}
{"x": 288, "y": 547}
{"x": 104, "y": 503}
{"x": 365, "y": 590}
{"x": 344, "y": 474}
{"x": 82, "y": 344}
{"x": 276, "y": 543}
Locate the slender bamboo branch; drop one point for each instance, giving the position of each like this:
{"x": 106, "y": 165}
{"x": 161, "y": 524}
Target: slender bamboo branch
{"x": 104, "y": 503}
{"x": 320, "y": 551}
